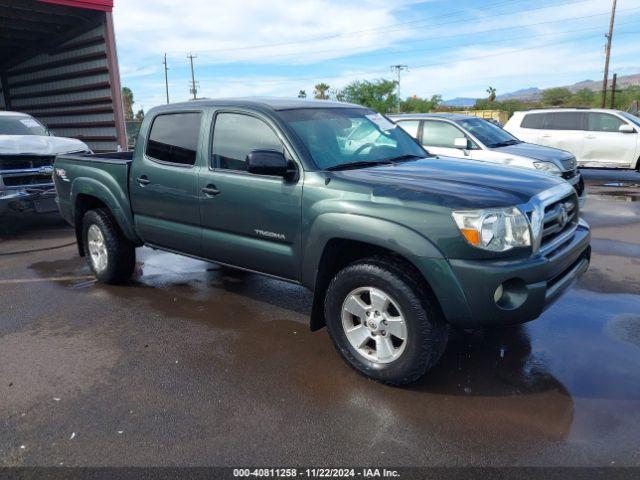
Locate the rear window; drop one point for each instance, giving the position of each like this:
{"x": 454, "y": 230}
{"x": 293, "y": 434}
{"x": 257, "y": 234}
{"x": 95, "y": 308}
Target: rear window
{"x": 554, "y": 121}
{"x": 533, "y": 120}
{"x": 174, "y": 138}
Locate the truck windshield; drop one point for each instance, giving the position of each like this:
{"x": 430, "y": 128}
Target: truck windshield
{"x": 21, "y": 125}
{"x": 351, "y": 137}
{"x": 489, "y": 134}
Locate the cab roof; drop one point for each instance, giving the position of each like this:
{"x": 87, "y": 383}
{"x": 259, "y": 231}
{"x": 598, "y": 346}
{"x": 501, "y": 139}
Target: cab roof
{"x": 263, "y": 103}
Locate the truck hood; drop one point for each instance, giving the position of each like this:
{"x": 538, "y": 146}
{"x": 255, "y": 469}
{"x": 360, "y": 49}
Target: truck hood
{"x": 537, "y": 152}
{"x": 451, "y": 182}
{"x": 39, "y": 145}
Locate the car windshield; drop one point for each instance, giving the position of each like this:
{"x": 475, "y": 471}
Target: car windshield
{"x": 21, "y": 125}
{"x": 351, "y": 137}
{"x": 488, "y": 133}
{"x": 632, "y": 118}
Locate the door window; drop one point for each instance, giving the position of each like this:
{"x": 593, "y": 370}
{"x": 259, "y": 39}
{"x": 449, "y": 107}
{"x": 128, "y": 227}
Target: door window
{"x": 564, "y": 121}
{"x": 235, "y": 135}
{"x": 533, "y": 120}
{"x": 440, "y": 134}
{"x": 412, "y": 127}
{"x": 603, "y": 122}
{"x": 174, "y": 138}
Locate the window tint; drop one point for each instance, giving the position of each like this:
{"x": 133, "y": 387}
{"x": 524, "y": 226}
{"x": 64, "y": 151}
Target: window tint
{"x": 533, "y": 120}
{"x": 236, "y": 135}
{"x": 564, "y": 121}
{"x": 410, "y": 126}
{"x": 440, "y": 134}
{"x": 603, "y": 122}
{"x": 174, "y": 138}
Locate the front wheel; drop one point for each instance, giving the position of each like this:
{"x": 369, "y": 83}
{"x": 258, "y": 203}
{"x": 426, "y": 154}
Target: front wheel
{"x": 382, "y": 320}
{"x": 111, "y": 256}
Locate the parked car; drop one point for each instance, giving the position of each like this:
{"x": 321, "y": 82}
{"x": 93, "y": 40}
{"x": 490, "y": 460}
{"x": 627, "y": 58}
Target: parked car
{"x": 597, "y": 137}
{"x": 395, "y": 244}
{"x": 462, "y": 136}
{"x": 27, "y": 152}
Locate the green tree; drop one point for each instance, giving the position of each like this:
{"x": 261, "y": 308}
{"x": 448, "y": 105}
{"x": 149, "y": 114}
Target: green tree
{"x": 416, "y": 104}
{"x": 583, "y": 98}
{"x": 492, "y": 94}
{"x": 127, "y": 103}
{"x": 321, "y": 91}
{"x": 139, "y": 115}
{"x": 378, "y": 95}
{"x": 556, "y": 96}
{"x": 302, "y": 94}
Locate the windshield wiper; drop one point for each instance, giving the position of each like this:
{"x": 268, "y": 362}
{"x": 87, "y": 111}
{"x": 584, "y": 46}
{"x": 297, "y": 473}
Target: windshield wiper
{"x": 363, "y": 164}
{"x": 406, "y": 158}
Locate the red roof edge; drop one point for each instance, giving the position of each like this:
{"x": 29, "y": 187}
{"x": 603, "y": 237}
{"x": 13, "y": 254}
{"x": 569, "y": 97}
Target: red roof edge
{"x": 102, "y": 5}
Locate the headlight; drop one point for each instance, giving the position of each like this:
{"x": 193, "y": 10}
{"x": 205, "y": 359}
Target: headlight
{"x": 497, "y": 230}
{"x": 548, "y": 167}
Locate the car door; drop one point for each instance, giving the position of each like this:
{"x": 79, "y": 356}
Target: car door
{"x": 563, "y": 130}
{"x": 605, "y": 144}
{"x": 250, "y": 221}
{"x": 438, "y": 137}
{"x": 163, "y": 183}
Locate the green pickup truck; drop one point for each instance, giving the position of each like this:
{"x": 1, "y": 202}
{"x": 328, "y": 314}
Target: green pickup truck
{"x": 396, "y": 244}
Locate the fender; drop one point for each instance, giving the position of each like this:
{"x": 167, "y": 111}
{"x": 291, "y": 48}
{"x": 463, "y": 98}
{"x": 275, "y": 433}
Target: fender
{"x": 382, "y": 233}
{"x": 108, "y": 191}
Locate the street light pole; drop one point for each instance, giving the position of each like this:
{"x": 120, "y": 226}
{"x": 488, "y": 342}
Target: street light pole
{"x": 166, "y": 77}
{"x": 398, "y": 69}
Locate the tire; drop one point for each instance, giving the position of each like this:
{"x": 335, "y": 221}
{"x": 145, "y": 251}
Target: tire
{"x": 425, "y": 329}
{"x": 108, "y": 242}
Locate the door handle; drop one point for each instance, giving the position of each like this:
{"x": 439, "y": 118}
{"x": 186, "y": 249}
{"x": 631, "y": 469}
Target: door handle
{"x": 143, "y": 180}
{"x": 590, "y": 137}
{"x": 546, "y": 136}
{"x": 210, "y": 191}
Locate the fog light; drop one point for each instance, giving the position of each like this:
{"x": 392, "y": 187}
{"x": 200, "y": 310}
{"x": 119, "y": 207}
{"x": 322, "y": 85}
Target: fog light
{"x": 511, "y": 294}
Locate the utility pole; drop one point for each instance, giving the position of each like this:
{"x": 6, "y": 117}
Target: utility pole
{"x": 194, "y": 88}
{"x": 166, "y": 77}
{"x": 609, "y": 36}
{"x": 613, "y": 91}
{"x": 398, "y": 69}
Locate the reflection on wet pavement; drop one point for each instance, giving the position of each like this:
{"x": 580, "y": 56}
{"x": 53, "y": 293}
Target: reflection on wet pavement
{"x": 199, "y": 364}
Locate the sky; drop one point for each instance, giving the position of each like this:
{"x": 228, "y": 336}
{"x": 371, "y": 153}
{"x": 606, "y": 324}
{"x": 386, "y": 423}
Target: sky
{"x": 452, "y": 48}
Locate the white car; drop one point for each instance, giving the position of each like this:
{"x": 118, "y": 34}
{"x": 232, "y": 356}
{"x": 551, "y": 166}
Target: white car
{"x": 27, "y": 151}
{"x": 463, "y": 136}
{"x": 597, "y": 137}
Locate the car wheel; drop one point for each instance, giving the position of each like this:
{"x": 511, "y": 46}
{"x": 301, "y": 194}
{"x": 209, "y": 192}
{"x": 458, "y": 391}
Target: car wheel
{"x": 383, "y": 321}
{"x": 111, "y": 256}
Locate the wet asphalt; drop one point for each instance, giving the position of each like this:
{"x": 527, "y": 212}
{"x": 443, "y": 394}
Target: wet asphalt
{"x": 194, "y": 364}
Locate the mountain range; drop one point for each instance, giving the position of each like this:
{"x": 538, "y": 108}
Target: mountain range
{"x": 534, "y": 93}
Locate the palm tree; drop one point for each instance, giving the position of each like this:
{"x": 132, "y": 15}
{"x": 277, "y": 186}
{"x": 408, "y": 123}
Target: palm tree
{"x": 321, "y": 90}
{"x": 302, "y": 94}
{"x": 492, "y": 94}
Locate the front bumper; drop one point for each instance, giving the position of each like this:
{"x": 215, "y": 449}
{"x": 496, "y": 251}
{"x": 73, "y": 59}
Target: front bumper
{"x": 533, "y": 284}
{"x": 24, "y": 200}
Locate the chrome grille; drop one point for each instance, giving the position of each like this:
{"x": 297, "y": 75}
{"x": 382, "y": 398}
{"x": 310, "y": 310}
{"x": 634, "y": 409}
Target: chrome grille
{"x": 26, "y": 170}
{"x": 559, "y": 222}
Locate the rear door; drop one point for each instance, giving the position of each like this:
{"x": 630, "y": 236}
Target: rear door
{"x": 250, "y": 221}
{"x": 604, "y": 144}
{"x": 163, "y": 183}
{"x": 563, "y": 130}
{"x": 438, "y": 138}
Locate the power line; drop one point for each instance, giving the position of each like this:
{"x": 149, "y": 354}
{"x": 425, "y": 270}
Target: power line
{"x": 388, "y": 27}
{"x": 608, "y": 54}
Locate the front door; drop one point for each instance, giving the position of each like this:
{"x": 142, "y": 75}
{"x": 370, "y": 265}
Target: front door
{"x": 163, "y": 184}
{"x": 605, "y": 144}
{"x": 438, "y": 138}
{"x": 249, "y": 221}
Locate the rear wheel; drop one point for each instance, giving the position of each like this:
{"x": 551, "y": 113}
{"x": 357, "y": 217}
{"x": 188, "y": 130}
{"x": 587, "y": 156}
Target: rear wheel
{"x": 382, "y": 321}
{"x": 110, "y": 255}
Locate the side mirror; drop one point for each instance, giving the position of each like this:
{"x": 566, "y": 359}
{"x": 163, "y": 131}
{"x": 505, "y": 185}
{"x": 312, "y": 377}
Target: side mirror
{"x": 267, "y": 162}
{"x": 626, "y": 128}
{"x": 461, "y": 142}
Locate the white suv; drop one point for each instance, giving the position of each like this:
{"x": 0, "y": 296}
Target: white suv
{"x": 597, "y": 137}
